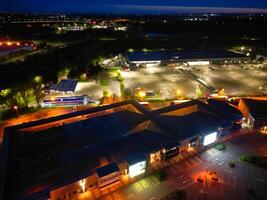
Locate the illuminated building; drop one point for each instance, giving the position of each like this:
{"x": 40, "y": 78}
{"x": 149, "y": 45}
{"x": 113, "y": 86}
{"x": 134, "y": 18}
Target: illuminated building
{"x": 189, "y": 57}
{"x": 93, "y": 149}
{"x": 137, "y": 164}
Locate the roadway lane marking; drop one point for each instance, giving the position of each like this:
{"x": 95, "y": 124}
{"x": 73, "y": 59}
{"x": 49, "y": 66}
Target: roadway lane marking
{"x": 229, "y": 171}
{"x": 258, "y": 179}
{"x": 221, "y": 163}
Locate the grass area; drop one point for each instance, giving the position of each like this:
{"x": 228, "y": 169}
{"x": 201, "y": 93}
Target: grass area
{"x": 220, "y": 147}
{"x": 259, "y": 161}
{"x": 176, "y": 195}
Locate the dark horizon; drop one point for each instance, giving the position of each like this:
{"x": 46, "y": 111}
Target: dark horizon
{"x": 134, "y": 7}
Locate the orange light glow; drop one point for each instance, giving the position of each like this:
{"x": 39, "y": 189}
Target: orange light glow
{"x": 9, "y": 43}
{"x": 18, "y": 44}
{"x": 141, "y": 94}
{"x": 82, "y": 184}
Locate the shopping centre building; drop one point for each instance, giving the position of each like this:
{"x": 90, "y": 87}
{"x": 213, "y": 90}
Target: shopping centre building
{"x": 96, "y": 148}
{"x": 190, "y": 57}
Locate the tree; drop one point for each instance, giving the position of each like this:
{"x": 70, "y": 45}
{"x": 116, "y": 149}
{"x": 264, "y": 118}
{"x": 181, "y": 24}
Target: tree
{"x": 37, "y": 85}
{"x": 24, "y": 93}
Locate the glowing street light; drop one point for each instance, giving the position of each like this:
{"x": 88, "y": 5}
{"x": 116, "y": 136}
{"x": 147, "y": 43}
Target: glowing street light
{"x": 141, "y": 94}
{"x": 16, "y": 109}
{"x": 242, "y": 48}
{"x": 178, "y": 92}
{"x": 37, "y": 79}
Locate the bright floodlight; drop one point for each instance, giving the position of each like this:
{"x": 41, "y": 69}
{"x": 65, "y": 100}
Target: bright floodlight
{"x": 137, "y": 168}
{"x": 210, "y": 138}
{"x": 192, "y": 63}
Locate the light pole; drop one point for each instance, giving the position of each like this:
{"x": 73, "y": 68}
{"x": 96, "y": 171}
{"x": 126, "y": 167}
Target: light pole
{"x": 16, "y": 109}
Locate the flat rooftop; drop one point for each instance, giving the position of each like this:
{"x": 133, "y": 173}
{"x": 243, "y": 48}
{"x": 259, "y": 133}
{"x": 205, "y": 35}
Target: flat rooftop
{"x": 43, "y": 158}
{"x": 42, "y": 155}
{"x": 257, "y": 108}
{"x": 65, "y": 85}
{"x": 189, "y": 119}
{"x": 182, "y": 55}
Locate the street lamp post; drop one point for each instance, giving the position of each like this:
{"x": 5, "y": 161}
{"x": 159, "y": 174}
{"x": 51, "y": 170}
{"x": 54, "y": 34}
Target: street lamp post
{"x": 16, "y": 109}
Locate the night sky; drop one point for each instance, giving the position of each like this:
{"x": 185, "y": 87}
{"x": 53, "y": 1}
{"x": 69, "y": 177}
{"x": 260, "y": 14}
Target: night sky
{"x": 134, "y": 6}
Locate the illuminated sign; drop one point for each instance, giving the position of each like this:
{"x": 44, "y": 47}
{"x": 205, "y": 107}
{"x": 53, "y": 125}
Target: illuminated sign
{"x": 138, "y": 168}
{"x": 210, "y": 138}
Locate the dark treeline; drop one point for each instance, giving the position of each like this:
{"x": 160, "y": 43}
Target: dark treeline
{"x": 84, "y": 47}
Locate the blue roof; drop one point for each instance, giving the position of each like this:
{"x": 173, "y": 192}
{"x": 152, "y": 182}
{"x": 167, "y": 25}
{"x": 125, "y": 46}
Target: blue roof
{"x": 257, "y": 108}
{"x": 66, "y": 85}
{"x": 135, "y": 158}
{"x": 230, "y": 112}
{"x": 203, "y": 121}
{"x": 181, "y": 55}
{"x": 106, "y": 170}
{"x": 170, "y": 144}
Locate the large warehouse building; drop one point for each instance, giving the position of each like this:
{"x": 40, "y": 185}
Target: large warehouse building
{"x": 94, "y": 149}
{"x": 191, "y": 57}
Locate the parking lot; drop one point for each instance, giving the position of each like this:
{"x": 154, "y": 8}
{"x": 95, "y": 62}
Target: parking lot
{"x": 235, "y": 79}
{"x": 172, "y": 82}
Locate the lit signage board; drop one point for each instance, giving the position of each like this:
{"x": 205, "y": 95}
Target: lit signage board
{"x": 138, "y": 168}
{"x": 210, "y": 138}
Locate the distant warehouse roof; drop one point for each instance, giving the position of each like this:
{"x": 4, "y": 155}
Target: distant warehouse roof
{"x": 183, "y": 55}
{"x": 65, "y": 85}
